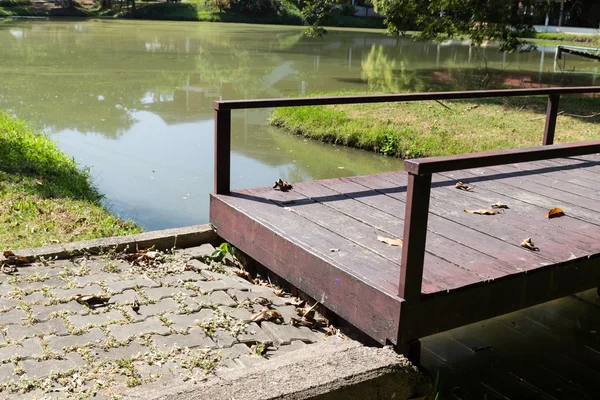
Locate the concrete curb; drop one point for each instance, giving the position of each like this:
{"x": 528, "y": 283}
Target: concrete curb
{"x": 189, "y": 236}
{"x": 335, "y": 369}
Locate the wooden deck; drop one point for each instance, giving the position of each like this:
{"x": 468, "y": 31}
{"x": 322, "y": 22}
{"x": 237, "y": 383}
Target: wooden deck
{"x": 322, "y": 237}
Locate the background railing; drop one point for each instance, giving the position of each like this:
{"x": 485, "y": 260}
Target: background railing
{"x": 419, "y": 170}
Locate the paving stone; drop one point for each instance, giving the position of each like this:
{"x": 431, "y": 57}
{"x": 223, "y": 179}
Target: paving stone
{"x": 14, "y": 316}
{"x": 134, "y": 349}
{"x": 196, "y": 338}
{"x": 284, "y": 334}
{"x": 254, "y": 335}
{"x": 34, "y": 297}
{"x": 54, "y": 326}
{"x": 167, "y": 291}
{"x": 197, "y": 265}
{"x": 81, "y": 321}
{"x": 284, "y": 349}
{"x": 223, "y": 338}
{"x": 145, "y": 311}
{"x": 31, "y": 286}
{"x": 189, "y": 303}
{"x": 29, "y": 348}
{"x": 120, "y": 286}
{"x": 200, "y": 252}
{"x": 181, "y": 322}
{"x": 218, "y": 298}
{"x": 7, "y": 373}
{"x": 69, "y": 293}
{"x": 7, "y": 304}
{"x": 288, "y": 312}
{"x": 42, "y": 313}
{"x": 39, "y": 369}
{"x": 186, "y": 276}
{"x": 151, "y": 325}
{"x": 82, "y": 281}
{"x": 237, "y": 313}
{"x": 2, "y": 340}
{"x": 127, "y": 297}
{"x": 58, "y": 343}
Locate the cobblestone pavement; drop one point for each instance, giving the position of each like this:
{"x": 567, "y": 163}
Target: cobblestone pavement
{"x": 192, "y": 320}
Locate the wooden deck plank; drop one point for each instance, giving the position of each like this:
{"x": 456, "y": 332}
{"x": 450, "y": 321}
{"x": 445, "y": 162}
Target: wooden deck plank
{"x": 505, "y": 226}
{"x": 482, "y": 243}
{"x": 462, "y": 256}
{"x": 515, "y": 191}
{"x": 585, "y": 169}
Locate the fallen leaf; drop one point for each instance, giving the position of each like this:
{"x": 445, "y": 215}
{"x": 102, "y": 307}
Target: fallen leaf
{"x": 266, "y": 315}
{"x": 462, "y": 186}
{"x": 555, "y": 213}
{"x": 282, "y": 185}
{"x": 309, "y": 323}
{"x": 483, "y": 211}
{"x": 263, "y": 301}
{"x": 306, "y": 311}
{"x": 334, "y": 250}
{"x": 528, "y": 244}
{"x": 279, "y": 292}
{"x": 8, "y": 254}
{"x": 91, "y": 299}
{"x": 136, "y": 305}
{"x": 331, "y": 331}
{"x": 391, "y": 242}
{"x": 244, "y": 275}
{"x": 499, "y": 205}
{"x": 8, "y": 269}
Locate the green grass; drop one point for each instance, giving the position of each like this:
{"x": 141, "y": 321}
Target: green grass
{"x": 44, "y": 197}
{"x": 421, "y": 129}
{"x": 551, "y": 39}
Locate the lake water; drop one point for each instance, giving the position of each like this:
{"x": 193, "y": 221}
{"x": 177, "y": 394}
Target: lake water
{"x": 133, "y": 99}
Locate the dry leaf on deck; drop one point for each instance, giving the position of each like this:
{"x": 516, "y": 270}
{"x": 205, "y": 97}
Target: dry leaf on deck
{"x": 266, "y": 315}
{"x": 91, "y": 299}
{"x": 554, "y": 213}
{"x": 462, "y": 186}
{"x": 528, "y": 244}
{"x": 279, "y": 292}
{"x": 499, "y": 205}
{"x": 483, "y": 211}
{"x": 391, "y": 242}
{"x": 282, "y": 185}
{"x": 8, "y": 253}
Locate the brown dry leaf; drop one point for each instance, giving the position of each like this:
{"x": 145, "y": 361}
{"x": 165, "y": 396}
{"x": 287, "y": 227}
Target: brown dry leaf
{"x": 8, "y": 269}
{"x": 463, "y": 186}
{"x": 331, "y": 331}
{"x": 282, "y": 185}
{"x": 266, "y": 315}
{"x": 483, "y": 211}
{"x": 334, "y": 250}
{"x": 499, "y": 205}
{"x": 555, "y": 213}
{"x": 8, "y": 253}
{"x": 135, "y": 306}
{"x": 279, "y": 292}
{"x": 528, "y": 244}
{"x": 263, "y": 301}
{"x": 391, "y": 242}
{"x": 309, "y": 323}
{"x": 244, "y": 275}
{"x": 91, "y": 299}
{"x": 306, "y": 311}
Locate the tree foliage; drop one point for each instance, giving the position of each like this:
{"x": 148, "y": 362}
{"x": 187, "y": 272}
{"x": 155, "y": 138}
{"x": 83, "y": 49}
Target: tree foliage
{"x": 505, "y": 21}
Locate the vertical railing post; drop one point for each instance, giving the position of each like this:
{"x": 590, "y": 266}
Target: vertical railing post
{"x": 551, "y": 114}
{"x": 415, "y": 235}
{"x": 222, "y": 151}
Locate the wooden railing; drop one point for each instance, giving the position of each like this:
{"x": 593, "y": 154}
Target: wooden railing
{"x": 419, "y": 170}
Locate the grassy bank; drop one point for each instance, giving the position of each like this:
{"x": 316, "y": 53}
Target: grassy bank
{"x": 420, "y": 129}
{"x": 554, "y": 39}
{"x": 44, "y": 197}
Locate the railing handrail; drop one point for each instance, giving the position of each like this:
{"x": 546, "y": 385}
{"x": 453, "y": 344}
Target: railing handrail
{"x": 221, "y": 105}
{"x": 432, "y": 165}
